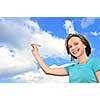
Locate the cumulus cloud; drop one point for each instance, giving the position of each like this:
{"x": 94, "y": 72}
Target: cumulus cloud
{"x": 20, "y": 36}
{"x": 12, "y": 63}
{"x": 32, "y": 24}
{"x": 85, "y": 22}
{"x": 28, "y": 77}
{"x": 40, "y": 76}
{"x": 69, "y": 27}
{"x": 16, "y": 35}
{"x": 50, "y": 46}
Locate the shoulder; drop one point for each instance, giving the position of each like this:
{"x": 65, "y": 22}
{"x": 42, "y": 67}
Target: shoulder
{"x": 95, "y": 60}
{"x": 69, "y": 66}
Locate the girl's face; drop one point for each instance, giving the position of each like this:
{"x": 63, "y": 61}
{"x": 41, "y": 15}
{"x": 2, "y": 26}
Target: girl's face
{"x": 76, "y": 47}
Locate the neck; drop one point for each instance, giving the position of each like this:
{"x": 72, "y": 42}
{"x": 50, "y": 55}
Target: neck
{"x": 82, "y": 59}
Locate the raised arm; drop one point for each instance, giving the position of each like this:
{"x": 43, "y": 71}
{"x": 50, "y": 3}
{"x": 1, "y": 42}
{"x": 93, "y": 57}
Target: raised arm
{"x": 44, "y": 66}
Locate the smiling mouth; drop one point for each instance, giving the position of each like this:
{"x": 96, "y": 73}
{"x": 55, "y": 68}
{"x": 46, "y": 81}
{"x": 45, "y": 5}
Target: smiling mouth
{"x": 75, "y": 51}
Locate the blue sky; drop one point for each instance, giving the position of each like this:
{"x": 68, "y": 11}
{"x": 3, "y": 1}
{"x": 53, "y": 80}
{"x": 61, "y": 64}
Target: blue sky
{"x": 17, "y": 63}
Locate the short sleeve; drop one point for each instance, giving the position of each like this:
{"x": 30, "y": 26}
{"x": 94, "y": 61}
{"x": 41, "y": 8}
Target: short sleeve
{"x": 67, "y": 68}
{"x": 96, "y": 64}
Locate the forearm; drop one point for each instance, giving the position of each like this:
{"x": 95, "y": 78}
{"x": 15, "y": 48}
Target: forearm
{"x": 42, "y": 64}
{"x": 47, "y": 70}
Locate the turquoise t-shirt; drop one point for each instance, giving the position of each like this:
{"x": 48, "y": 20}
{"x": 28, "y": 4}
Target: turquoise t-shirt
{"x": 84, "y": 73}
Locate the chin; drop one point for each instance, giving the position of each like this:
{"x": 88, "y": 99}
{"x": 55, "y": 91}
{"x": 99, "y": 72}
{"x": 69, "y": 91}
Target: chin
{"x": 76, "y": 56}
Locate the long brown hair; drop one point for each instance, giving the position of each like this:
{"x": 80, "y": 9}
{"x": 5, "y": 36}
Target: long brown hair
{"x": 83, "y": 40}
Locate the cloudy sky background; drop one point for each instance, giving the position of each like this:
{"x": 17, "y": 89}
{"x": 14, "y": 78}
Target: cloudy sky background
{"x": 17, "y": 63}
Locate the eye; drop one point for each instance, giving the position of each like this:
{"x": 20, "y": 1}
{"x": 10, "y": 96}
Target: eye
{"x": 69, "y": 46}
{"x": 76, "y": 43}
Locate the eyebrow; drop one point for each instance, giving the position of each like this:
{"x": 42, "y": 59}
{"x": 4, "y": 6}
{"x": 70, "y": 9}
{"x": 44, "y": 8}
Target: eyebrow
{"x": 73, "y": 43}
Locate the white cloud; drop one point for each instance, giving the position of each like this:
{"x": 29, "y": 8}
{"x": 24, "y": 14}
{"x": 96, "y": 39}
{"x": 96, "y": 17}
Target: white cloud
{"x": 95, "y": 33}
{"x": 40, "y": 76}
{"x": 85, "y": 22}
{"x": 50, "y": 46}
{"x": 11, "y": 65}
{"x": 33, "y": 24}
{"x": 69, "y": 27}
{"x": 17, "y": 34}
{"x": 6, "y": 58}
{"x": 20, "y": 36}
{"x": 28, "y": 77}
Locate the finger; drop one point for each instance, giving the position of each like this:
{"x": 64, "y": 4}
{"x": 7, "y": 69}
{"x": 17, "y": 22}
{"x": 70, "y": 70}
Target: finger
{"x": 34, "y": 46}
{"x": 37, "y": 45}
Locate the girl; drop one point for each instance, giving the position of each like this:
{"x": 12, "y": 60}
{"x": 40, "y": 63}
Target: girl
{"x": 87, "y": 70}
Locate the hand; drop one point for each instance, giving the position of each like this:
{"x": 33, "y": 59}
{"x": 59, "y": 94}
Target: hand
{"x": 34, "y": 49}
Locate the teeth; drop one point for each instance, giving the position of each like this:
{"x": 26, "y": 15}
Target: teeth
{"x": 75, "y": 51}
